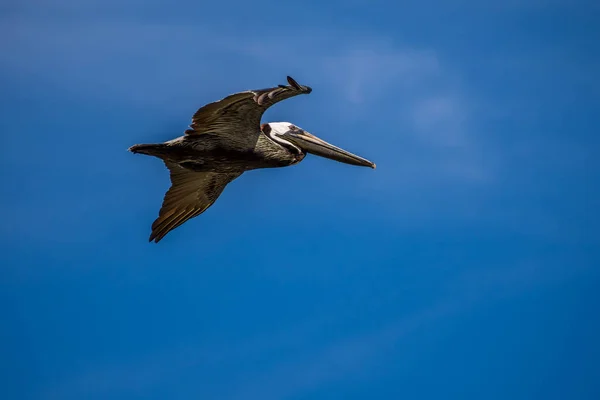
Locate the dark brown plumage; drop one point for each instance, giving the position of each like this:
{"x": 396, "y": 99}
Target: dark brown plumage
{"x": 241, "y": 111}
{"x": 190, "y": 194}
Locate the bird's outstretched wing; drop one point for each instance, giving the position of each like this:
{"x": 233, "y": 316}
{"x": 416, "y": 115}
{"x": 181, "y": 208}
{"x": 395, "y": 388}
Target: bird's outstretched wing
{"x": 238, "y": 112}
{"x": 191, "y": 193}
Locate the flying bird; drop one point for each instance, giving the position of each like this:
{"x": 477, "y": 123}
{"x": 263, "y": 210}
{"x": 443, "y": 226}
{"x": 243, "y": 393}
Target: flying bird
{"x": 225, "y": 139}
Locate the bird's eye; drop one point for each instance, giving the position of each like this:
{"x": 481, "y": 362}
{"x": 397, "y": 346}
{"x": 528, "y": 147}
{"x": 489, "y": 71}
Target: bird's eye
{"x": 266, "y": 128}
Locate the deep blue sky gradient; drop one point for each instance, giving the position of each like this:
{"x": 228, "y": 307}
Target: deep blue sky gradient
{"x": 464, "y": 267}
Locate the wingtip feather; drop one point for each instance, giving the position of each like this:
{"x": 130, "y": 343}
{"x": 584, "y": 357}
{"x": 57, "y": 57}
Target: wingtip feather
{"x": 293, "y": 83}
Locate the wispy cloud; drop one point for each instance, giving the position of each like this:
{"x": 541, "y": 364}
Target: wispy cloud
{"x": 441, "y": 120}
{"x": 356, "y": 70}
{"x": 416, "y": 118}
{"x": 367, "y": 73}
{"x": 361, "y": 78}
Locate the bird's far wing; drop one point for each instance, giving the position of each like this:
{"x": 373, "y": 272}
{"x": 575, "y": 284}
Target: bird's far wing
{"x": 238, "y": 112}
{"x": 191, "y": 193}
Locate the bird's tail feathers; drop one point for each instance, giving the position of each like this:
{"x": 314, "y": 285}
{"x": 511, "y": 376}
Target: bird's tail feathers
{"x": 156, "y": 150}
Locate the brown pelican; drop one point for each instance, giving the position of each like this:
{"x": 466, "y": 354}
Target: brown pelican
{"x": 224, "y": 140}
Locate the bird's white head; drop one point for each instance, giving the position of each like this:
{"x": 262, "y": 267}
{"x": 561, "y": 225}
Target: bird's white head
{"x": 279, "y": 128}
{"x": 277, "y": 132}
{"x": 297, "y": 140}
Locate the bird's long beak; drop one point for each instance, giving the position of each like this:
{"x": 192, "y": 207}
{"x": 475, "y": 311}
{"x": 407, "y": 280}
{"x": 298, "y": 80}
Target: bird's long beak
{"x": 314, "y": 145}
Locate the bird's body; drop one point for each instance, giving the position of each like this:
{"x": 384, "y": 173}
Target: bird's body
{"x": 226, "y": 139}
{"x": 215, "y": 153}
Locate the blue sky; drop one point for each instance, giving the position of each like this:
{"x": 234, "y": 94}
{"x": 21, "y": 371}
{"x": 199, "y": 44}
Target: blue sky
{"x": 464, "y": 266}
